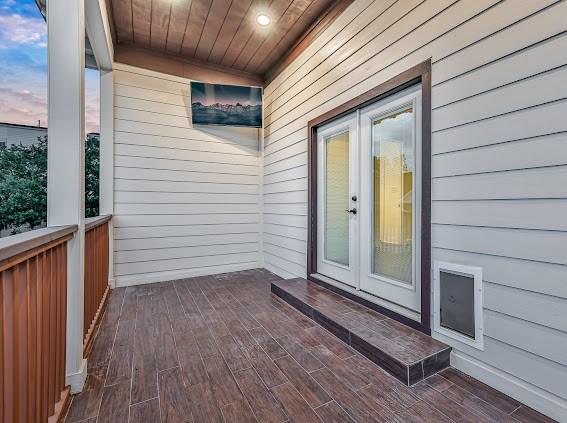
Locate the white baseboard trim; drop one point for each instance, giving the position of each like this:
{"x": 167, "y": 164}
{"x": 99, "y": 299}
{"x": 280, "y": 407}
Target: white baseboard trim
{"x": 124, "y": 281}
{"x": 540, "y": 400}
{"x": 77, "y": 380}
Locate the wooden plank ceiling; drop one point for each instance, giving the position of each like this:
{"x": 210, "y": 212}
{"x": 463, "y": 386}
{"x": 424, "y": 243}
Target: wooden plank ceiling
{"x": 220, "y": 32}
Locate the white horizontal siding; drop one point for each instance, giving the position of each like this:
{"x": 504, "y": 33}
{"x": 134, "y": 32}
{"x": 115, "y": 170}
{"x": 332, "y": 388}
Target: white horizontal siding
{"x": 183, "y": 162}
{"x": 527, "y": 183}
{"x": 531, "y": 337}
{"x": 530, "y": 153}
{"x": 181, "y": 241}
{"x": 155, "y": 232}
{"x": 499, "y": 159}
{"x": 186, "y": 144}
{"x": 187, "y": 200}
{"x": 214, "y": 262}
{"x": 540, "y": 375}
{"x": 503, "y": 213}
{"x": 527, "y": 306}
{"x": 514, "y": 126}
{"x": 184, "y": 177}
{"x": 538, "y": 57}
{"x": 526, "y": 275}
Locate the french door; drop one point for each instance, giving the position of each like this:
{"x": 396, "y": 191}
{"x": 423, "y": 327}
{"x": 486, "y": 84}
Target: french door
{"x": 337, "y": 182}
{"x": 369, "y": 210}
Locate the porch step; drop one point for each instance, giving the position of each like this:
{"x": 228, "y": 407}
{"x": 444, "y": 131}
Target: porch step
{"x": 406, "y": 353}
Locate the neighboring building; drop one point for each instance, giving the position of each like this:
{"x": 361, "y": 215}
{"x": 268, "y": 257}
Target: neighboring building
{"x": 13, "y": 133}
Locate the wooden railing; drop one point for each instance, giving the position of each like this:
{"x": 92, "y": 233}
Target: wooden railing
{"x": 96, "y": 275}
{"x": 33, "y": 297}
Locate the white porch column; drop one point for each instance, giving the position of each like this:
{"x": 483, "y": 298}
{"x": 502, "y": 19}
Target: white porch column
{"x": 106, "y": 199}
{"x": 66, "y": 161}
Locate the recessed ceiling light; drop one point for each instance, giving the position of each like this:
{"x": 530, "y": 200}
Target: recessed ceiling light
{"x": 263, "y": 20}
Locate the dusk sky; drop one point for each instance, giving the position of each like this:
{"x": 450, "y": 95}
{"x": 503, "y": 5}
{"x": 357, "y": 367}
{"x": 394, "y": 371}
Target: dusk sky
{"x": 23, "y": 68}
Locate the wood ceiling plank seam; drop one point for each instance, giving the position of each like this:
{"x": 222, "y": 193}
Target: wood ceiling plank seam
{"x": 178, "y": 51}
{"x": 151, "y": 18}
{"x": 199, "y": 12}
{"x": 219, "y": 47}
{"x": 111, "y": 21}
{"x": 244, "y": 30}
{"x": 161, "y": 16}
{"x": 142, "y": 22}
{"x": 123, "y": 19}
{"x": 277, "y": 12}
{"x": 132, "y": 18}
{"x": 307, "y": 18}
{"x": 168, "y": 23}
{"x": 285, "y": 23}
{"x": 252, "y": 32}
{"x": 242, "y": 49}
{"x": 224, "y": 32}
{"x": 250, "y": 35}
{"x": 212, "y": 25}
{"x": 203, "y": 28}
{"x": 219, "y": 31}
{"x": 258, "y": 59}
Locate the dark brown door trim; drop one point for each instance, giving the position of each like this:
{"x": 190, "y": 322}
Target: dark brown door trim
{"x": 417, "y": 74}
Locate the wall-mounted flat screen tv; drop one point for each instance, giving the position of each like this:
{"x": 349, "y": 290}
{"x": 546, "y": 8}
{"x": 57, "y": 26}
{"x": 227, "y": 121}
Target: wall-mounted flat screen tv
{"x": 230, "y": 105}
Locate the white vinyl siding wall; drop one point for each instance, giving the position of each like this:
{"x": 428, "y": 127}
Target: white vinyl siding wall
{"x": 187, "y": 201}
{"x": 499, "y": 165}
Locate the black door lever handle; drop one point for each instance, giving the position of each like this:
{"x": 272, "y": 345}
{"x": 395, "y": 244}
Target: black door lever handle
{"x": 353, "y": 211}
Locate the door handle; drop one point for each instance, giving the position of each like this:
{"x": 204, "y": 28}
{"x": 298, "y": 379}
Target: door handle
{"x": 353, "y": 211}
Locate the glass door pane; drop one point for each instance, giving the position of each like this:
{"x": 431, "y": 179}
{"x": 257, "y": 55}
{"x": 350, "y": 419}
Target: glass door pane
{"x": 393, "y": 208}
{"x": 337, "y": 198}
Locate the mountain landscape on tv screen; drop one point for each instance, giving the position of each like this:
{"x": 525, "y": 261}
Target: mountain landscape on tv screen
{"x": 231, "y": 105}
{"x": 227, "y": 114}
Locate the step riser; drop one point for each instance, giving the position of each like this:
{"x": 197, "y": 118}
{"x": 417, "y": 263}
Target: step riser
{"x": 408, "y": 375}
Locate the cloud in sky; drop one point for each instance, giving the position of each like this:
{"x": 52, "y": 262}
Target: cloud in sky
{"x": 21, "y": 7}
{"x": 16, "y": 29}
{"x": 24, "y": 106}
{"x": 23, "y": 68}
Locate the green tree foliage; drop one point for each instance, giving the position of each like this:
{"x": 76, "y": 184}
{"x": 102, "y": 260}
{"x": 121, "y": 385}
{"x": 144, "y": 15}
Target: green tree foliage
{"x": 92, "y": 166}
{"x": 23, "y": 184}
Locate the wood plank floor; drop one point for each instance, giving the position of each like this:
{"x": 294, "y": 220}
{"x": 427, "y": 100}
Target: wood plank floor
{"x": 224, "y": 349}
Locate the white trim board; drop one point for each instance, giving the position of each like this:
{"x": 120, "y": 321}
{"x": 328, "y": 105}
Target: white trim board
{"x": 147, "y": 72}
{"x": 98, "y": 31}
{"x": 77, "y": 380}
{"x": 528, "y": 394}
{"x": 132, "y": 280}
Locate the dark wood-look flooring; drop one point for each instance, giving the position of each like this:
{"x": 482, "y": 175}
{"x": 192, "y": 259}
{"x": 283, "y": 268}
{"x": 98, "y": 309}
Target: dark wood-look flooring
{"x": 406, "y": 353}
{"x": 224, "y": 349}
